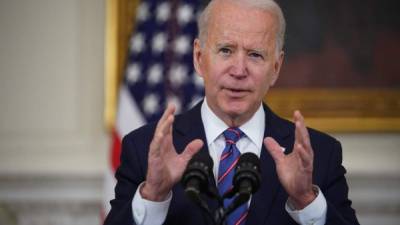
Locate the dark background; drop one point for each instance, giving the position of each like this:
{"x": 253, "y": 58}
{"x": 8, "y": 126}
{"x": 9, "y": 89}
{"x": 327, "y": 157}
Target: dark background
{"x": 341, "y": 44}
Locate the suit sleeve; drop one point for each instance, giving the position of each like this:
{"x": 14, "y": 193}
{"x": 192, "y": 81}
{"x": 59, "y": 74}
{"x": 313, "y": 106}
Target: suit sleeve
{"x": 339, "y": 210}
{"x": 129, "y": 175}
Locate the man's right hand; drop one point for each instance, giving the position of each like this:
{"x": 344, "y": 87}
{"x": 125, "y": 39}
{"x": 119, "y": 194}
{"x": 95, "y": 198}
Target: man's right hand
{"x": 165, "y": 166}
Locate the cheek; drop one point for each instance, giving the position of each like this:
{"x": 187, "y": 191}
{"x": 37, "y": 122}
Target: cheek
{"x": 215, "y": 73}
{"x": 263, "y": 80}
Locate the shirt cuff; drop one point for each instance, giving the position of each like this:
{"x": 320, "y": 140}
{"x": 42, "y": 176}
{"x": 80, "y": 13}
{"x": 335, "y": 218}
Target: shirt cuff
{"x": 314, "y": 213}
{"x": 149, "y": 212}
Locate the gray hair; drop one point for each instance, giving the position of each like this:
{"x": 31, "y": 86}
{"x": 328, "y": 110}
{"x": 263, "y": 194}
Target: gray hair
{"x": 269, "y": 5}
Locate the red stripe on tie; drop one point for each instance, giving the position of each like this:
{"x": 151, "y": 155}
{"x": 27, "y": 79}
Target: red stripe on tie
{"x": 235, "y": 131}
{"x": 224, "y": 156}
{"x": 230, "y": 141}
{"x": 228, "y": 170}
{"x": 230, "y": 189}
{"x": 241, "y": 218}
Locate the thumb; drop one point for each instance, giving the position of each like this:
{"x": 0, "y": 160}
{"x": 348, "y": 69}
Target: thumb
{"x": 192, "y": 148}
{"x": 274, "y": 149}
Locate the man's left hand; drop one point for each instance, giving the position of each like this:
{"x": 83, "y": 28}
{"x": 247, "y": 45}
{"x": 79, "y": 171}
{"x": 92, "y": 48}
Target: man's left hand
{"x": 295, "y": 169}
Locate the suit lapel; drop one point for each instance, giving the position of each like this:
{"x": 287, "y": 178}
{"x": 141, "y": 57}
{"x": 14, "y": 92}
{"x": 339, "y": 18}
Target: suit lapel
{"x": 188, "y": 127}
{"x": 263, "y": 200}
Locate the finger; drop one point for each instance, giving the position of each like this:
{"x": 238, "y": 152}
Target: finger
{"x": 301, "y": 132}
{"x": 163, "y": 124}
{"x": 274, "y": 149}
{"x": 300, "y": 145}
{"x": 192, "y": 148}
{"x": 167, "y": 147}
{"x": 161, "y": 131}
{"x": 170, "y": 110}
{"x": 155, "y": 144}
{"x": 306, "y": 158}
{"x": 166, "y": 126}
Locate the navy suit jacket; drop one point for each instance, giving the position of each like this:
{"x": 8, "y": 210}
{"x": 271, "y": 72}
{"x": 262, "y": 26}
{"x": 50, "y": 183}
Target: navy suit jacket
{"x": 268, "y": 203}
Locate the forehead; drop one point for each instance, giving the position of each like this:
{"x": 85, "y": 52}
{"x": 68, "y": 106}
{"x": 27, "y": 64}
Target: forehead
{"x": 232, "y": 21}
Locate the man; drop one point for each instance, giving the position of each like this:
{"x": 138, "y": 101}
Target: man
{"x": 239, "y": 55}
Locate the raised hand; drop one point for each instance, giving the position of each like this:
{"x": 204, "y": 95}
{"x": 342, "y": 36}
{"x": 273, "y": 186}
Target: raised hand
{"x": 295, "y": 169}
{"x": 165, "y": 166}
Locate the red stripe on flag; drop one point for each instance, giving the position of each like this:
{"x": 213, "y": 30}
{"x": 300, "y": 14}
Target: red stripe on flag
{"x": 116, "y": 150}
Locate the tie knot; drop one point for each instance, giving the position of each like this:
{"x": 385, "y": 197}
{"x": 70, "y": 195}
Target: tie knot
{"x": 232, "y": 135}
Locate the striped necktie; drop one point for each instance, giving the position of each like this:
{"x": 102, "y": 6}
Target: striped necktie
{"x": 227, "y": 164}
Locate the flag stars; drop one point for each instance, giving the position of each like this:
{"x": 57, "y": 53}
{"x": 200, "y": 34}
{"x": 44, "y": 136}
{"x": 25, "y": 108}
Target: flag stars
{"x": 159, "y": 42}
{"x": 159, "y": 67}
{"x": 133, "y": 73}
{"x": 137, "y": 43}
{"x": 143, "y": 12}
{"x": 185, "y": 14}
{"x": 178, "y": 75}
{"x": 155, "y": 74}
{"x": 182, "y": 45}
{"x": 163, "y": 12}
{"x": 151, "y": 104}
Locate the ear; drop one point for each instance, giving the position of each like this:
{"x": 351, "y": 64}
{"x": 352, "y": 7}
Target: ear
{"x": 197, "y": 56}
{"x": 277, "y": 67}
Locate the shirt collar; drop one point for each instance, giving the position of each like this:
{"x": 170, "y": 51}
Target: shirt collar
{"x": 214, "y": 126}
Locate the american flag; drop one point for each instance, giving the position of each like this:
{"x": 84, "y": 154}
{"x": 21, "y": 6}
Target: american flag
{"x": 159, "y": 70}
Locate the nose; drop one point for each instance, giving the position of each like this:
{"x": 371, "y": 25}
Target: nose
{"x": 239, "y": 68}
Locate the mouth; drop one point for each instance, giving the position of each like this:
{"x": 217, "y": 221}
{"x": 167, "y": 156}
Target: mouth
{"x": 236, "y": 92}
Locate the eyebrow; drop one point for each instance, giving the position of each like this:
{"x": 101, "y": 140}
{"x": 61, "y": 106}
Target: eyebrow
{"x": 257, "y": 50}
{"x": 225, "y": 44}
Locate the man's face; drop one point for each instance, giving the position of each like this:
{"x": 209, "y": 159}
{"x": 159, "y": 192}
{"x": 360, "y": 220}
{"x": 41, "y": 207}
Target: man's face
{"x": 238, "y": 60}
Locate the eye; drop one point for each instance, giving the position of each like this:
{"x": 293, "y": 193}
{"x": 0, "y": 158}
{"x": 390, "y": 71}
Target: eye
{"x": 225, "y": 51}
{"x": 256, "y": 55}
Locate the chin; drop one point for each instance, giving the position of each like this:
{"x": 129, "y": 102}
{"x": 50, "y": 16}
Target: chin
{"x": 235, "y": 109}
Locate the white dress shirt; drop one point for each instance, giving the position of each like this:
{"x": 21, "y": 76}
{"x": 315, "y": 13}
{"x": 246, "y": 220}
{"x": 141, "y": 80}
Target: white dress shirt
{"x": 147, "y": 212}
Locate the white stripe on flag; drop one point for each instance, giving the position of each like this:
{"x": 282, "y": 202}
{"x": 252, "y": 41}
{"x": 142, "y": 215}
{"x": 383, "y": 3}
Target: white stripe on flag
{"x": 129, "y": 118}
